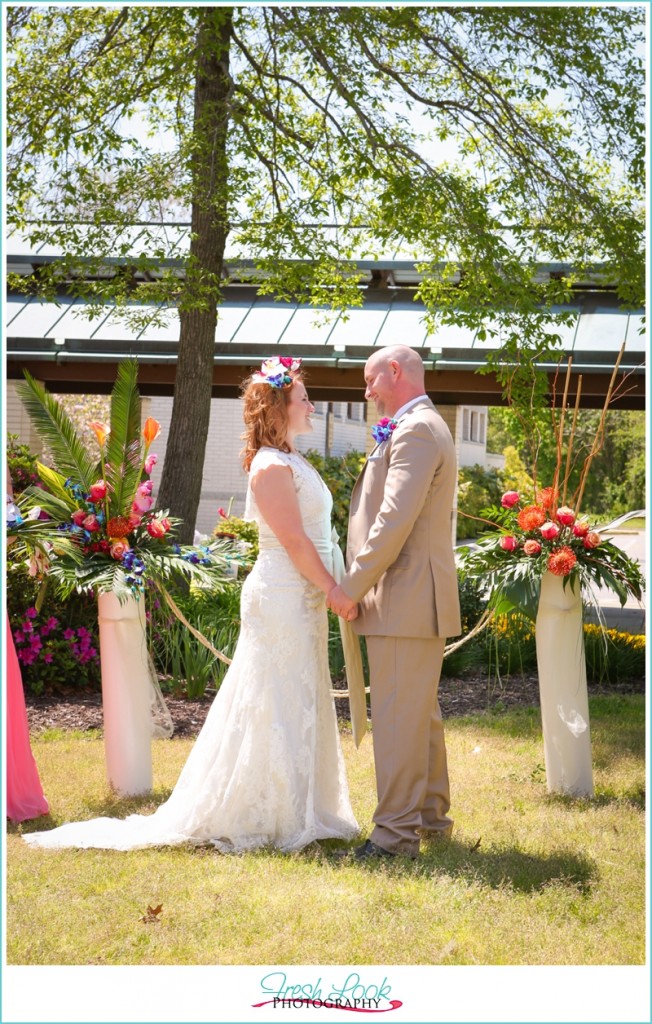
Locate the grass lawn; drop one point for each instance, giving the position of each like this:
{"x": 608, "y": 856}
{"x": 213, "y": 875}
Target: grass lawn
{"x": 527, "y": 879}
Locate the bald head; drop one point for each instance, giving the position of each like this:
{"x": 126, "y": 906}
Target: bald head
{"x": 394, "y": 375}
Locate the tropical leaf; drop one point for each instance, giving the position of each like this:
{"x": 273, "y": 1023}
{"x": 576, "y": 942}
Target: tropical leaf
{"x": 55, "y": 483}
{"x": 123, "y": 451}
{"x": 55, "y": 428}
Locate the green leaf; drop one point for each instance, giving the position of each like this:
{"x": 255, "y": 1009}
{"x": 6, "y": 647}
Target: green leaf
{"x": 56, "y": 430}
{"x": 123, "y": 450}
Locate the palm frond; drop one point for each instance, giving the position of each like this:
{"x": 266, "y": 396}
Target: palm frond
{"x": 55, "y": 428}
{"x": 55, "y": 483}
{"x": 123, "y": 453}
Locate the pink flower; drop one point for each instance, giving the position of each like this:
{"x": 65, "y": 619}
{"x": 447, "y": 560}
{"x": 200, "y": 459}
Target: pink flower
{"x": 508, "y": 543}
{"x": 532, "y": 547}
{"x": 142, "y": 504}
{"x": 48, "y": 657}
{"x": 150, "y": 462}
{"x": 550, "y": 530}
{"x": 591, "y": 540}
{"x": 31, "y": 613}
{"x": 91, "y": 524}
{"x": 98, "y": 491}
{"x": 145, "y": 488}
{"x": 566, "y": 515}
{"x": 581, "y": 529}
{"x": 509, "y": 499}
{"x": 222, "y": 513}
{"x": 79, "y": 516}
{"x": 134, "y": 521}
{"x": 119, "y": 548}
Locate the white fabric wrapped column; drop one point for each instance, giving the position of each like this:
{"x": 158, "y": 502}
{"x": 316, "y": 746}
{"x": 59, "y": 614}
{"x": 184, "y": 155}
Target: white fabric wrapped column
{"x": 125, "y": 694}
{"x": 562, "y": 687}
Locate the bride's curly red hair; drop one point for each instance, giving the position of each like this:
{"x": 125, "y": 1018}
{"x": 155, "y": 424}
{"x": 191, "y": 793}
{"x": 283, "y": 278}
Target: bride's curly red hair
{"x": 265, "y": 416}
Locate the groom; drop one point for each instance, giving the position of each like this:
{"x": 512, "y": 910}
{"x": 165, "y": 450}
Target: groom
{"x": 401, "y": 571}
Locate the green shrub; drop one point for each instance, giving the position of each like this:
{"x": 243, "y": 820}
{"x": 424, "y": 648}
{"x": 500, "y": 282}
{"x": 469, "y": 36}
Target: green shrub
{"x": 339, "y": 473}
{"x": 613, "y": 657}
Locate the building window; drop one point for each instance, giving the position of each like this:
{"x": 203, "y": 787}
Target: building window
{"x": 474, "y": 426}
{"x": 355, "y": 412}
{"x": 477, "y": 427}
{"x": 338, "y": 408}
{"x": 320, "y": 408}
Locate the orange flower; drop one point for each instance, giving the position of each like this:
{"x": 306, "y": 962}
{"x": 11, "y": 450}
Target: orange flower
{"x": 547, "y": 497}
{"x": 562, "y": 561}
{"x": 100, "y": 430}
{"x": 151, "y": 430}
{"x": 531, "y": 517}
{"x": 118, "y": 527}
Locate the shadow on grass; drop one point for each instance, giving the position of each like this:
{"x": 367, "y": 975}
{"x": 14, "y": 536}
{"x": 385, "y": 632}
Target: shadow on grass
{"x": 498, "y": 867}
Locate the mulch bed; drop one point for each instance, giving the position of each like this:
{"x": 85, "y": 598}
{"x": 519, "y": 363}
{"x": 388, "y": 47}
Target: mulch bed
{"x": 463, "y": 696}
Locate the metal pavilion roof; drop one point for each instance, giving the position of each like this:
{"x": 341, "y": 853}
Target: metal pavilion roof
{"x": 68, "y": 351}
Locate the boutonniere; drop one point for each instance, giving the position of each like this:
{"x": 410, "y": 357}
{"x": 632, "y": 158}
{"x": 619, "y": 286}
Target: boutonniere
{"x": 383, "y": 429}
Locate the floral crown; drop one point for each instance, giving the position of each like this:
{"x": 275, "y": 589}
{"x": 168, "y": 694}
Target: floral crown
{"x": 277, "y": 371}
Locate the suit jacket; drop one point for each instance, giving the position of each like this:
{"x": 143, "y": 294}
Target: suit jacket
{"x": 401, "y": 566}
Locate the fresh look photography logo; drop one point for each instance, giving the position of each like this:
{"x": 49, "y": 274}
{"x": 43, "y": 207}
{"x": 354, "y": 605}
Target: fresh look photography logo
{"x": 361, "y": 996}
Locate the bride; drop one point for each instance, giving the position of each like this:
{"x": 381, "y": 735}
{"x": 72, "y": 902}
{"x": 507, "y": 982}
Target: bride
{"x": 267, "y": 767}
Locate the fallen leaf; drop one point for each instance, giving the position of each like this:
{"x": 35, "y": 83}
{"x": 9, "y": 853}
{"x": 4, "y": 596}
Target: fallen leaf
{"x": 476, "y": 845}
{"x": 152, "y": 914}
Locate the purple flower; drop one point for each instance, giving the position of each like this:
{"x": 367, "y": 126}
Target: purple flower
{"x": 52, "y": 623}
{"x": 19, "y": 637}
{"x": 31, "y": 613}
{"x": 27, "y": 626}
{"x": 35, "y": 642}
{"x": 48, "y": 657}
{"x": 82, "y": 632}
{"x": 69, "y": 634}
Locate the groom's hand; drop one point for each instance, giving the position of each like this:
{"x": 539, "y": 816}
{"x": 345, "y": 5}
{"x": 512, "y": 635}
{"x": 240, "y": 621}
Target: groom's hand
{"x": 341, "y": 604}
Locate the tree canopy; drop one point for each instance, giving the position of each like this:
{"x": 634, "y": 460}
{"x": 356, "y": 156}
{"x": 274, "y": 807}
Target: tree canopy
{"x": 483, "y": 140}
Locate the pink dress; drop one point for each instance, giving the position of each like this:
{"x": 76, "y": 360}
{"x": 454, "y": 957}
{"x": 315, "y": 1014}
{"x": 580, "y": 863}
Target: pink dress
{"x": 24, "y": 793}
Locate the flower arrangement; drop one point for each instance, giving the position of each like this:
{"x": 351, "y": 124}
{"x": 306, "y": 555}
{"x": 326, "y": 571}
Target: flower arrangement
{"x": 383, "y": 429}
{"x": 103, "y": 511}
{"x": 535, "y": 535}
{"x": 544, "y": 532}
{"x": 278, "y": 372}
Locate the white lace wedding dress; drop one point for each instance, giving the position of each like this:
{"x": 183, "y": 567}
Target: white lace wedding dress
{"x": 267, "y": 767}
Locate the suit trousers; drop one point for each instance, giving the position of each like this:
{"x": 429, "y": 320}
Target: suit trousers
{"x": 408, "y": 738}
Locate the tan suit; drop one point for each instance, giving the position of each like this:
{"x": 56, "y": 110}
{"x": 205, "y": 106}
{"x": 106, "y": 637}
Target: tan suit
{"x": 401, "y": 569}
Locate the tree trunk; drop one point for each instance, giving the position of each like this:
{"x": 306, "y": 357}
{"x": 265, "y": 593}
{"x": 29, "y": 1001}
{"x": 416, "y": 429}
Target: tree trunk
{"x": 184, "y": 458}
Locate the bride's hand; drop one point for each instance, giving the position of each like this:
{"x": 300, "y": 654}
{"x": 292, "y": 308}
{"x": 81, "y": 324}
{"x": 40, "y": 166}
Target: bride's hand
{"x": 352, "y": 614}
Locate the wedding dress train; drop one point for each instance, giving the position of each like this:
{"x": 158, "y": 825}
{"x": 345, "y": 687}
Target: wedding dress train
{"x": 267, "y": 766}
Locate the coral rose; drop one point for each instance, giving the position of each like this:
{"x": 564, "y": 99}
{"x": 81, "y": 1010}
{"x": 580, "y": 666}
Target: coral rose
{"x": 508, "y": 543}
{"x": 91, "y": 524}
{"x": 510, "y": 498}
{"x": 562, "y": 561}
{"x": 550, "y": 530}
{"x": 134, "y": 521}
{"x": 119, "y": 548}
{"x": 581, "y": 529}
{"x": 591, "y": 540}
{"x": 531, "y": 517}
{"x": 158, "y": 527}
{"x": 98, "y": 491}
{"x": 565, "y": 515}
{"x": 532, "y": 547}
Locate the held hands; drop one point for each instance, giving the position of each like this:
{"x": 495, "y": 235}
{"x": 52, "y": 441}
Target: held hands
{"x": 341, "y": 604}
